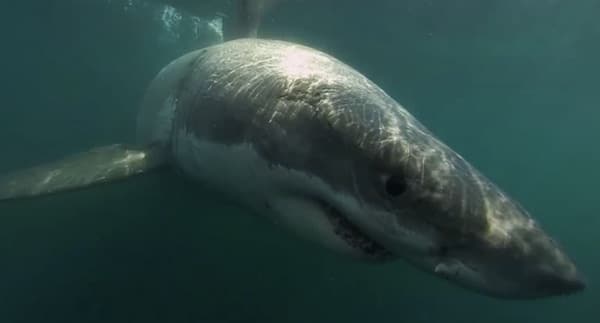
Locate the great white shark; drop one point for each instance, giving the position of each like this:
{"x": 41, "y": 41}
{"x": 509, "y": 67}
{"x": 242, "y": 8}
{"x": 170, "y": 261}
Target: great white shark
{"x": 294, "y": 134}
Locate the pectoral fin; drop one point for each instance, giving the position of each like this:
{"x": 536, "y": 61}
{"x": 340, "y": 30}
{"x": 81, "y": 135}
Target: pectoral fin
{"x": 96, "y": 166}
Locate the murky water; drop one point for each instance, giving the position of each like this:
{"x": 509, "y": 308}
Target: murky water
{"x": 511, "y": 85}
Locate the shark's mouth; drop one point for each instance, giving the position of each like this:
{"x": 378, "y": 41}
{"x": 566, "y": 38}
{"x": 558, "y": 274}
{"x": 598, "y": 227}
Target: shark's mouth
{"x": 354, "y": 236}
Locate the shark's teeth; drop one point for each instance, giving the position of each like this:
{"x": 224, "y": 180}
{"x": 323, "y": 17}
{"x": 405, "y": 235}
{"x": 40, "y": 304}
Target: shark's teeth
{"x": 353, "y": 236}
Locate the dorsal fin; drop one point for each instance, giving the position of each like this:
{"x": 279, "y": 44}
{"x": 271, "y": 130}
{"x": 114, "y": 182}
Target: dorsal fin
{"x": 246, "y": 19}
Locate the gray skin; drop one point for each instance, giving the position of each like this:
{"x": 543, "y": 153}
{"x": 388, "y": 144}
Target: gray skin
{"x": 385, "y": 185}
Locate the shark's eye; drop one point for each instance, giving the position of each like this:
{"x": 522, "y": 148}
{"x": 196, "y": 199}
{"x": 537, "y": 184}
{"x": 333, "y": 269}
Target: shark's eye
{"x": 395, "y": 186}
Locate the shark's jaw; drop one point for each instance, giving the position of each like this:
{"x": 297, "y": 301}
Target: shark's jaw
{"x": 353, "y": 235}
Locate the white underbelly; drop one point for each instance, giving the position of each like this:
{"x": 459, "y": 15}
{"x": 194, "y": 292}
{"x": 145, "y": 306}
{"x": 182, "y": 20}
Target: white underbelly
{"x": 232, "y": 170}
{"x": 239, "y": 172}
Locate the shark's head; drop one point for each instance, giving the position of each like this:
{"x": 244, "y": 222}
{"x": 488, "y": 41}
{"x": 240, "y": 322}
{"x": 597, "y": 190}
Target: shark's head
{"x": 397, "y": 191}
{"x": 421, "y": 201}
{"x": 394, "y": 183}
{"x": 396, "y": 188}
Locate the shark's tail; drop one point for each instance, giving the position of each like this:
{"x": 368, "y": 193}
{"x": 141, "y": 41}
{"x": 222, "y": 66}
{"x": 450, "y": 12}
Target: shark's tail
{"x": 247, "y": 18}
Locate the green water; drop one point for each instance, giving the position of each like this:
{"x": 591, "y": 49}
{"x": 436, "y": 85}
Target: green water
{"x": 511, "y": 85}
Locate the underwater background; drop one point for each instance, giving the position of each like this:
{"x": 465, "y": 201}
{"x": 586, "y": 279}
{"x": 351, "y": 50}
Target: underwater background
{"x": 513, "y": 86}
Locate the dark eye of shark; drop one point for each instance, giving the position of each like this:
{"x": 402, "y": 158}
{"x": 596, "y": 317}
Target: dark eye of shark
{"x": 395, "y": 186}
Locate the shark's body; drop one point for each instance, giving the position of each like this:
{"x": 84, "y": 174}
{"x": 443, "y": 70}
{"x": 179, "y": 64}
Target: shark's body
{"x": 292, "y": 133}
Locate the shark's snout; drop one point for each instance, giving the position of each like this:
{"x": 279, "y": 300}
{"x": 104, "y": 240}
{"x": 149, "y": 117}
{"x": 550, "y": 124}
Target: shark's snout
{"x": 552, "y": 272}
{"x": 560, "y": 284}
{"x": 528, "y": 265}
